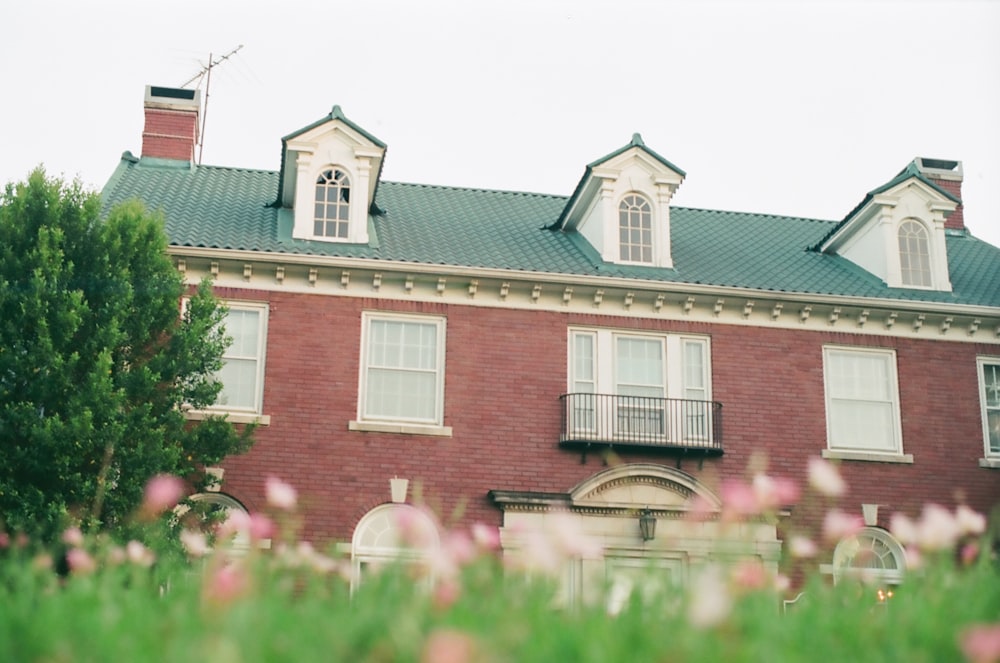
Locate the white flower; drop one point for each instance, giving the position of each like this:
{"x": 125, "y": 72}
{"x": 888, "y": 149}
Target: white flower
{"x": 280, "y": 495}
{"x": 825, "y": 478}
{"x": 194, "y": 543}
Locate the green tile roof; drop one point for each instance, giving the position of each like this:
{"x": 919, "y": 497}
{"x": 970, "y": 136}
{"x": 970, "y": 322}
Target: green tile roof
{"x": 230, "y": 208}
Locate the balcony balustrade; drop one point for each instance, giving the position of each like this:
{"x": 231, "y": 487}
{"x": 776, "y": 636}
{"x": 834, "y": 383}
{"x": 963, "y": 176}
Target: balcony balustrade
{"x": 641, "y": 421}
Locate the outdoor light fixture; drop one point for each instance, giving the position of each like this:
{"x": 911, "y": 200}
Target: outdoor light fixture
{"x": 647, "y": 525}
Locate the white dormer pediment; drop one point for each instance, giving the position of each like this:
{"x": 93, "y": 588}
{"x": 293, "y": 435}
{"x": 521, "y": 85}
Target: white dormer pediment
{"x": 622, "y": 206}
{"x": 898, "y": 233}
{"x": 329, "y": 176}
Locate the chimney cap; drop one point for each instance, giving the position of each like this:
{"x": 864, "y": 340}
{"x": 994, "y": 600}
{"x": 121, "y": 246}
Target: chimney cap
{"x": 942, "y": 169}
{"x": 172, "y": 98}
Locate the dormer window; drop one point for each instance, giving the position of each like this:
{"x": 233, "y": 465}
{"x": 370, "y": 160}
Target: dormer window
{"x": 333, "y": 197}
{"x": 914, "y": 254}
{"x": 328, "y": 181}
{"x": 621, "y": 207}
{"x": 635, "y": 228}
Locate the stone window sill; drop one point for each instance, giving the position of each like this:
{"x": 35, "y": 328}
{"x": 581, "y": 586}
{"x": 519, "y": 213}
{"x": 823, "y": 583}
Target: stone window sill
{"x": 867, "y": 456}
{"x": 402, "y": 429}
{"x": 992, "y": 463}
{"x": 232, "y": 417}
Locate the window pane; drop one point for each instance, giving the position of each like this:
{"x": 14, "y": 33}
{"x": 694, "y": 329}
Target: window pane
{"x": 239, "y": 383}
{"x": 861, "y": 404}
{"x": 403, "y": 372}
{"x": 639, "y": 366}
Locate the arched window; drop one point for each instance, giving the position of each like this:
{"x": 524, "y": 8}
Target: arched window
{"x": 635, "y": 229}
{"x": 914, "y": 254}
{"x": 873, "y": 553}
{"x": 392, "y": 533}
{"x": 213, "y": 509}
{"x": 333, "y": 197}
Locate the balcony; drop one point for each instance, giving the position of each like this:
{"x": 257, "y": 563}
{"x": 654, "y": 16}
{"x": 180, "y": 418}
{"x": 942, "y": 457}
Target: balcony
{"x": 638, "y": 421}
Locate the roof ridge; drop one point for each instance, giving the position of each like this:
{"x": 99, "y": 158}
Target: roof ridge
{"x": 767, "y": 214}
{"x": 475, "y": 188}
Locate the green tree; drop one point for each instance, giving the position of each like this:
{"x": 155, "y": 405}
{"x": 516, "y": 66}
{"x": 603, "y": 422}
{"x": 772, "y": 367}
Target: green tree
{"x": 96, "y": 360}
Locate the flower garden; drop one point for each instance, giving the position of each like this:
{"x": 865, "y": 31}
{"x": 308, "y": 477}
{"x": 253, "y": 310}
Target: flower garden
{"x": 178, "y": 590}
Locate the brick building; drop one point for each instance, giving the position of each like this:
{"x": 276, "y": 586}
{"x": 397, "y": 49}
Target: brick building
{"x": 603, "y": 353}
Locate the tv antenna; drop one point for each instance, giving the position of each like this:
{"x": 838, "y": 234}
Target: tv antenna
{"x": 206, "y": 75}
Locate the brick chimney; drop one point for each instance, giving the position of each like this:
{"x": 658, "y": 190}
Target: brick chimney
{"x": 171, "y": 130}
{"x": 947, "y": 175}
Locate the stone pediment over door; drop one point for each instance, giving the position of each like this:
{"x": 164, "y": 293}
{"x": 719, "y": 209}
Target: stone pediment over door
{"x": 640, "y": 486}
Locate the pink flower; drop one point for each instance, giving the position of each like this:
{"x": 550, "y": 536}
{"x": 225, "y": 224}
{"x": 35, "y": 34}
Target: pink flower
{"x": 163, "y": 492}
{"x": 981, "y": 643}
{"x": 261, "y": 527}
{"x": 72, "y": 536}
{"x": 839, "y": 525}
{"x": 772, "y": 493}
{"x": 739, "y": 499}
{"x": 937, "y": 529}
{"x": 236, "y": 522}
{"x": 80, "y": 561}
{"x": 825, "y": 478}
{"x": 903, "y": 528}
{"x": 280, "y": 495}
{"x": 750, "y": 575}
{"x": 139, "y": 554}
{"x": 194, "y": 543}
{"x": 4, "y": 540}
{"x": 486, "y": 536}
{"x": 802, "y": 547}
{"x": 226, "y": 584}
{"x": 449, "y": 646}
{"x": 969, "y": 521}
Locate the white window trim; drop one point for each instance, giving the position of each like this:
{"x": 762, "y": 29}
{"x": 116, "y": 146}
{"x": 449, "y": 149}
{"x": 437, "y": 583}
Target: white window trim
{"x": 861, "y": 453}
{"x": 673, "y": 368}
{"x": 652, "y": 262}
{"x": 929, "y": 245}
{"x": 604, "y": 349}
{"x": 233, "y": 414}
{"x": 839, "y": 568}
{"x": 392, "y": 424}
{"x": 990, "y": 459}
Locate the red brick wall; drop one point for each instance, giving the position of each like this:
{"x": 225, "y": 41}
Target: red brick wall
{"x": 170, "y": 134}
{"x": 505, "y": 370}
{"x": 956, "y": 220}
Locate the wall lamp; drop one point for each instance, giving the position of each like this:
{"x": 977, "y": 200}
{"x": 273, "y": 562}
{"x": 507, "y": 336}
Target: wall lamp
{"x": 647, "y": 525}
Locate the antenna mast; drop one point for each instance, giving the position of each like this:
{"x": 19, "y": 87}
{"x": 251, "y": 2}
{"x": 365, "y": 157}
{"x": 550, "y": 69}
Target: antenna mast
{"x": 206, "y": 74}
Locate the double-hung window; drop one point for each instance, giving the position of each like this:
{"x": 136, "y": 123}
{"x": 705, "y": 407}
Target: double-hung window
{"x": 242, "y": 373}
{"x": 402, "y": 369}
{"x": 862, "y": 401}
{"x": 638, "y": 387}
{"x": 989, "y": 397}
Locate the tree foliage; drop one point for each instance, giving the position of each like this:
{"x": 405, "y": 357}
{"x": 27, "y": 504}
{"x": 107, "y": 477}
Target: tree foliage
{"x": 97, "y": 363}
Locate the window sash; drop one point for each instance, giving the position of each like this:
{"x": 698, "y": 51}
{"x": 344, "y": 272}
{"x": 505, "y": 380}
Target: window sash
{"x": 914, "y": 255}
{"x": 242, "y": 371}
{"x": 403, "y": 370}
{"x": 861, "y": 401}
{"x": 989, "y": 392}
{"x": 635, "y": 367}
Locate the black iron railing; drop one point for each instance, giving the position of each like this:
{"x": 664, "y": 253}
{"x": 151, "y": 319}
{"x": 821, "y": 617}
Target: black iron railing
{"x": 641, "y": 421}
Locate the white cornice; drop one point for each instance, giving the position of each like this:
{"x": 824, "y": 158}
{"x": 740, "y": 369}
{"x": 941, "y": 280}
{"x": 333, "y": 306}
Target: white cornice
{"x": 559, "y": 279}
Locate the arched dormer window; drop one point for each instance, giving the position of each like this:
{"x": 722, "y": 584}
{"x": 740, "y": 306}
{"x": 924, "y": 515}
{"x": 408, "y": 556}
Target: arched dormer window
{"x": 635, "y": 229}
{"x": 914, "y": 254}
{"x": 333, "y": 204}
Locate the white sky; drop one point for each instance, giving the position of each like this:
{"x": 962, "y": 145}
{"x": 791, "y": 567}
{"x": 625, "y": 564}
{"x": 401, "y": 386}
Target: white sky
{"x": 793, "y": 108}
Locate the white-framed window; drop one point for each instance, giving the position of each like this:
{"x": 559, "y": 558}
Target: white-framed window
{"x": 638, "y": 385}
{"x": 393, "y": 534}
{"x": 635, "y": 229}
{"x": 914, "y": 254}
{"x": 332, "y": 213}
{"x": 989, "y": 397}
{"x": 402, "y": 369}
{"x": 862, "y": 400}
{"x": 242, "y": 373}
{"x": 873, "y": 554}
